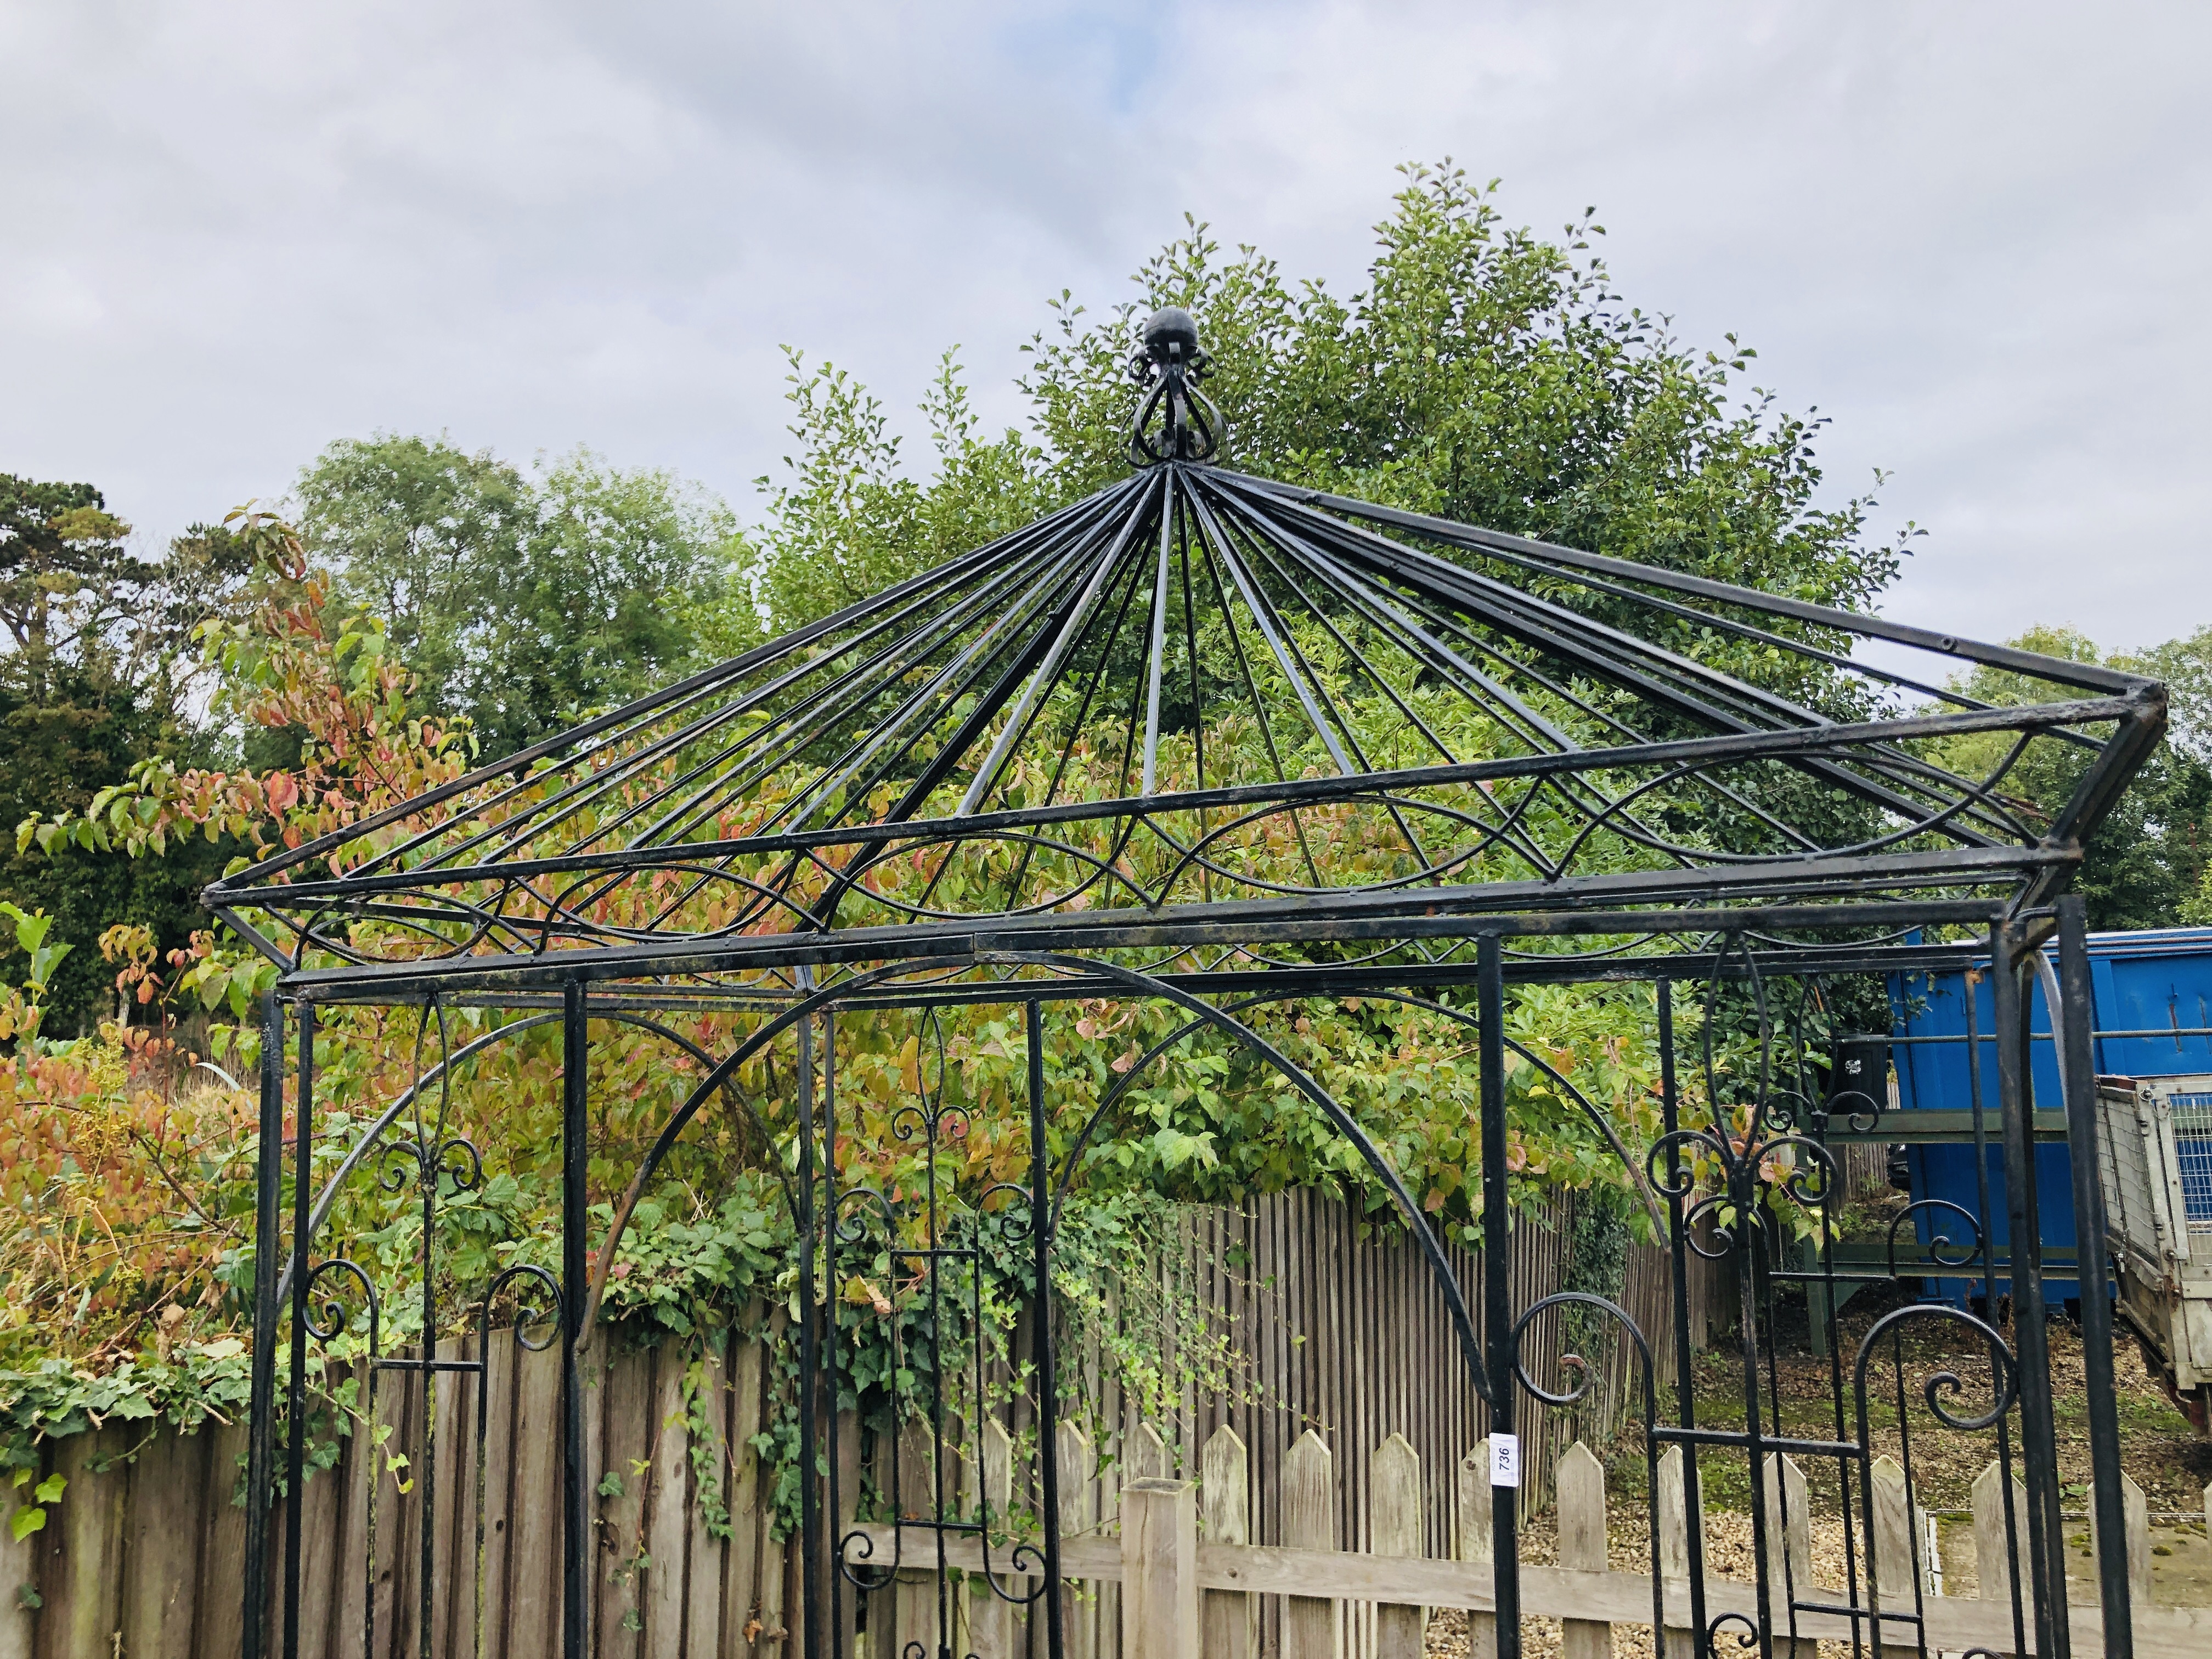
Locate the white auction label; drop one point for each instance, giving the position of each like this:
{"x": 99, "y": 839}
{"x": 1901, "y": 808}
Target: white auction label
{"x": 1505, "y": 1460}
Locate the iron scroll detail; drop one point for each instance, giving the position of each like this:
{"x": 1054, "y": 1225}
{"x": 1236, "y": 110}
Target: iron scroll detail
{"x": 1176, "y": 422}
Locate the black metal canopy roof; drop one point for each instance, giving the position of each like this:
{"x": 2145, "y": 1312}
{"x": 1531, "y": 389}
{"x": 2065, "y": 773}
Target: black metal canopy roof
{"x": 1231, "y": 729}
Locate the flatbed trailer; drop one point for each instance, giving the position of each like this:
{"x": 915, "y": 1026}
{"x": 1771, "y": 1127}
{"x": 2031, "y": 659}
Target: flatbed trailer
{"x": 2154, "y": 1162}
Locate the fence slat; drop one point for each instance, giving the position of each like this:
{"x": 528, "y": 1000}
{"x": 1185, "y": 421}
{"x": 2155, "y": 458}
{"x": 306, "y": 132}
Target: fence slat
{"x": 457, "y": 1486}
{"x": 1394, "y": 1488}
{"x": 81, "y": 1574}
{"x": 353, "y": 1573}
{"x": 989, "y": 1616}
{"x": 1789, "y": 1534}
{"x": 399, "y": 1634}
{"x": 1475, "y": 1533}
{"x": 1147, "y": 1455}
{"x": 915, "y": 1596}
{"x": 498, "y": 1454}
{"x": 1579, "y": 1485}
{"x": 619, "y": 1504}
{"x": 1309, "y": 1522}
{"x": 772, "y": 1629}
{"x": 2134, "y": 1512}
{"x": 1078, "y": 1518}
{"x": 1997, "y": 1568}
{"x": 1678, "y": 1476}
{"x": 447, "y": 1462}
{"x": 741, "y": 1577}
{"x": 666, "y": 1525}
{"x": 19, "y": 1569}
{"x": 321, "y": 1524}
{"x": 841, "y": 1600}
{"x": 706, "y": 1559}
{"x": 162, "y": 1544}
{"x": 1159, "y": 1569}
{"x": 1896, "y": 1560}
{"x": 533, "y": 1586}
{"x": 1231, "y": 1621}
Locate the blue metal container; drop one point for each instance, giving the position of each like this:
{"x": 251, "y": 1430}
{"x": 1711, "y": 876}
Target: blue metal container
{"x": 2153, "y": 1002}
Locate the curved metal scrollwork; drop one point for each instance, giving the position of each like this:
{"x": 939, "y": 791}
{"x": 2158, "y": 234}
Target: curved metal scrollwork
{"x": 1937, "y": 1208}
{"x": 538, "y": 1302}
{"x": 932, "y": 1248}
{"x": 327, "y": 1316}
{"x": 1168, "y": 362}
{"x": 1945, "y": 1384}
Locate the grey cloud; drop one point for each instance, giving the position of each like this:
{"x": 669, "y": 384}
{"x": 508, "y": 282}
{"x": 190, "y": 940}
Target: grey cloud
{"x": 1972, "y": 234}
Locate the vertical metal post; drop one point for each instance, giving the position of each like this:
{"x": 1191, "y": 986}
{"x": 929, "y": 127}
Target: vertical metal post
{"x": 811, "y": 1561}
{"x": 1678, "y": 1254}
{"x": 576, "y": 1289}
{"x": 296, "y": 1441}
{"x": 1746, "y": 1246}
{"x": 2072, "y": 1022}
{"x": 1989, "y": 1230}
{"x": 1048, "y": 1382}
{"x": 260, "y": 1446}
{"x": 2038, "y": 1443}
{"x": 1497, "y": 1281}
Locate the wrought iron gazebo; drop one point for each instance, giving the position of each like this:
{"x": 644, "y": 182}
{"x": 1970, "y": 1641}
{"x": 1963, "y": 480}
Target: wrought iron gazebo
{"x": 1215, "y": 740}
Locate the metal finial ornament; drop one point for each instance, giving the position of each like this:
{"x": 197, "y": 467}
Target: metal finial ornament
{"x": 1177, "y": 422}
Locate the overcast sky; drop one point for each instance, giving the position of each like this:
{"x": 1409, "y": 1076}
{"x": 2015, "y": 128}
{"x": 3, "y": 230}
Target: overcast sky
{"x": 1973, "y": 234}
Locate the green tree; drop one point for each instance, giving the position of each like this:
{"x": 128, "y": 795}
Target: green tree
{"x": 2146, "y": 865}
{"x": 420, "y": 532}
{"x": 523, "y": 600}
{"x": 850, "y": 520}
{"x": 64, "y": 573}
{"x": 1484, "y": 373}
{"x": 99, "y": 673}
{"x": 2185, "y": 666}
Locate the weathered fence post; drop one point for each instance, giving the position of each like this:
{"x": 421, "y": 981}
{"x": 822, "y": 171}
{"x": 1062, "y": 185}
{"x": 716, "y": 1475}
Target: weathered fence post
{"x": 665, "y": 1522}
{"x": 710, "y": 1465}
{"x": 840, "y": 1596}
{"x": 18, "y": 1565}
{"x": 914, "y": 1594}
{"x": 1997, "y": 1566}
{"x": 743, "y": 1585}
{"x": 1394, "y": 1499}
{"x": 1308, "y": 1523}
{"x": 990, "y": 1616}
{"x": 1146, "y": 1454}
{"x": 1159, "y": 1569}
{"x": 1474, "y": 1535}
{"x": 1106, "y": 1618}
{"x": 1579, "y": 1485}
{"x": 1789, "y": 1547}
{"x": 1895, "y": 1566}
{"x": 2135, "y": 1510}
{"x": 1232, "y": 1618}
{"x": 1677, "y": 1471}
{"x": 162, "y": 1581}
{"x": 1078, "y": 1518}
{"x": 82, "y": 1575}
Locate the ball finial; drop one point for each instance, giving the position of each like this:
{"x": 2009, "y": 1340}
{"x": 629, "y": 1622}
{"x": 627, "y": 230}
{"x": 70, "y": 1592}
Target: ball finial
{"x": 1170, "y": 334}
{"x": 1169, "y": 363}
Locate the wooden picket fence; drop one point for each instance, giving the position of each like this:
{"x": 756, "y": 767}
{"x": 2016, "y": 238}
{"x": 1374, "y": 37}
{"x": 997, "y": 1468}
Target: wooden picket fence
{"x": 1339, "y": 1325}
{"x": 1183, "y": 1580}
